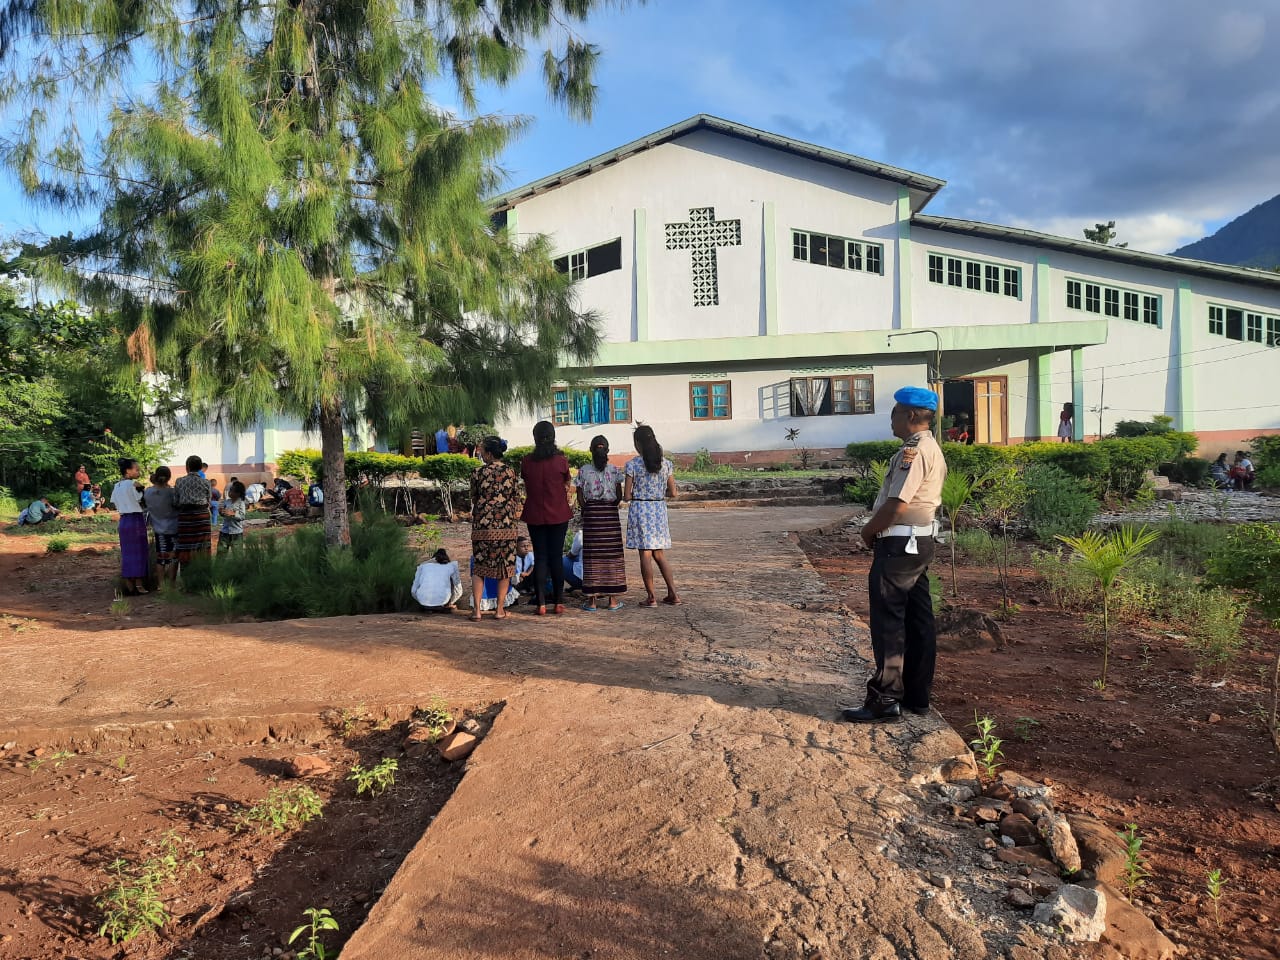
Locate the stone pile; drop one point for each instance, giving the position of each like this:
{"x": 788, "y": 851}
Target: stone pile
{"x": 1064, "y": 868}
{"x": 1197, "y": 506}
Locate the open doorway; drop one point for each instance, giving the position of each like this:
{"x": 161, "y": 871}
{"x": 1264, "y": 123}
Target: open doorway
{"x": 984, "y": 403}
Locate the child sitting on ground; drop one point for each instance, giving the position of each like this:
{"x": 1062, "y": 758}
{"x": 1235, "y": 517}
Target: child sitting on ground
{"x": 87, "y": 503}
{"x": 437, "y": 584}
{"x": 523, "y": 578}
{"x": 233, "y": 511}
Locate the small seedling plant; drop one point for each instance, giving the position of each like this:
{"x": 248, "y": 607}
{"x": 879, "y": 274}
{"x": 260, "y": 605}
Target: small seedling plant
{"x": 376, "y": 779}
{"x": 318, "y": 921}
{"x": 435, "y": 718}
{"x": 283, "y": 809}
{"x": 1213, "y": 886}
{"x": 1104, "y": 555}
{"x": 986, "y": 745}
{"x": 1135, "y": 864}
{"x": 132, "y": 905}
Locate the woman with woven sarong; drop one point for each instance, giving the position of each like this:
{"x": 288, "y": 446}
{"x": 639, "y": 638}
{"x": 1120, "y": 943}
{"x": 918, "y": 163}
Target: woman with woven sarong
{"x": 495, "y": 509}
{"x": 135, "y": 553}
{"x": 191, "y": 494}
{"x": 604, "y": 569}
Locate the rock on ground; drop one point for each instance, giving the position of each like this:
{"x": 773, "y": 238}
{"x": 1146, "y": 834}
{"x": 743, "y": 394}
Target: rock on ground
{"x": 1079, "y": 913}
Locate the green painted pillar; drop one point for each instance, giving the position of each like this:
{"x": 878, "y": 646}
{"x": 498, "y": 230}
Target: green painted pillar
{"x": 269, "y": 451}
{"x": 513, "y": 228}
{"x": 642, "y": 274}
{"x": 1077, "y": 392}
{"x": 1047, "y": 426}
{"x": 1046, "y": 420}
{"x": 904, "y": 258}
{"x": 770, "y": 254}
{"x": 1184, "y": 332}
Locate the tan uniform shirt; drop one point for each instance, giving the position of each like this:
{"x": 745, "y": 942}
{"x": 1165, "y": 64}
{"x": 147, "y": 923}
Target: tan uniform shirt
{"x": 915, "y": 477}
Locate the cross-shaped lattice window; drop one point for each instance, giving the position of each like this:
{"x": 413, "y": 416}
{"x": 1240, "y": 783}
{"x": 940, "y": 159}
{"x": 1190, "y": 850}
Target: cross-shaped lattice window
{"x": 701, "y": 235}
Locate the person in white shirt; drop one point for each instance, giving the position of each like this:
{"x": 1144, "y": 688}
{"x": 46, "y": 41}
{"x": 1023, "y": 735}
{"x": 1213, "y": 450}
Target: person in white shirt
{"x": 135, "y": 552}
{"x": 573, "y": 562}
{"x": 437, "y": 584}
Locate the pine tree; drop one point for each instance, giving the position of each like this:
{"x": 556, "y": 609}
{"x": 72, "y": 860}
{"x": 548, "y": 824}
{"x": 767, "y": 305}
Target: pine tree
{"x": 288, "y": 221}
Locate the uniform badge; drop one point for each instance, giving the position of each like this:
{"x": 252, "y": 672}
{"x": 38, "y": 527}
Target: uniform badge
{"x": 908, "y": 457}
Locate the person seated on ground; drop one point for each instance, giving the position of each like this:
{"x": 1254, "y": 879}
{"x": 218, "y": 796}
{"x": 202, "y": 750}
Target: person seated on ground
{"x": 489, "y": 595}
{"x": 1220, "y": 473}
{"x": 278, "y": 489}
{"x": 40, "y": 511}
{"x": 958, "y": 432}
{"x": 522, "y": 579}
{"x": 254, "y": 492}
{"x": 437, "y": 585}
{"x": 1242, "y": 471}
{"x": 315, "y": 494}
{"x": 294, "y": 500}
{"x": 98, "y": 502}
{"x": 573, "y": 563}
{"x": 87, "y": 503}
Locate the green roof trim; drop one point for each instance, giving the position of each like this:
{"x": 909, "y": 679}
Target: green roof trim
{"x": 915, "y": 181}
{"x": 1098, "y": 251}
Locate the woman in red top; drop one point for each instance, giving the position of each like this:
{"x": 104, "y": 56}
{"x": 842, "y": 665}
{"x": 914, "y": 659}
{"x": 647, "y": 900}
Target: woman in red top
{"x": 547, "y": 484}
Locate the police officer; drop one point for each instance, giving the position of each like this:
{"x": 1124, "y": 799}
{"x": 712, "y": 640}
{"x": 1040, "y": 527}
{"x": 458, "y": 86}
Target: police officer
{"x": 901, "y": 532}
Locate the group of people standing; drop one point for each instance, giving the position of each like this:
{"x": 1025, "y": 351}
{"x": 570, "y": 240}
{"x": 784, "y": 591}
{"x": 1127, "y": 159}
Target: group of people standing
{"x": 499, "y": 504}
{"x": 181, "y": 517}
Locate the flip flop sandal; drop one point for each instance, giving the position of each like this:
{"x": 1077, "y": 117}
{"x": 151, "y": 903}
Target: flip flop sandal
{"x": 475, "y": 618}
{"x": 591, "y": 607}
{"x": 672, "y": 601}
{"x": 648, "y": 603}
{"x": 617, "y": 606}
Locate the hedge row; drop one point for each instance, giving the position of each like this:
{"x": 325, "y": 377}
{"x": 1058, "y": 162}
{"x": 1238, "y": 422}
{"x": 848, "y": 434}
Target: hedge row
{"x": 1115, "y": 466}
{"x": 381, "y": 467}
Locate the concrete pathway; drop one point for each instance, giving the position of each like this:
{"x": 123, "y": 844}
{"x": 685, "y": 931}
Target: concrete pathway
{"x": 666, "y": 782}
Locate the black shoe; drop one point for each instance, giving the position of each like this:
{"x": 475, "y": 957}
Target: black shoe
{"x": 874, "y": 711}
{"x": 918, "y": 711}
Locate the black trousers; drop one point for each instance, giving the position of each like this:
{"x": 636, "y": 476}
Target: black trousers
{"x": 903, "y": 637}
{"x": 548, "y": 548}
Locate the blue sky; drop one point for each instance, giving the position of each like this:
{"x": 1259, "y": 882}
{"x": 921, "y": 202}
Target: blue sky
{"x": 1163, "y": 115}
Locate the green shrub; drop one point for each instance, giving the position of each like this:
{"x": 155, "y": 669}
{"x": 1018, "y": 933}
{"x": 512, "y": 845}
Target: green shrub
{"x": 298, "y": 463}
{"x": 1268, "y": 478}
{"x": 1211, "y": 619}
{"x": 58, "y": 543}
{"x": 1265, "y": 452}
{"x": 1188, "y": 545}
{"x": 977, "y": 545}
{"x": 1139, "y": 428}
{"x": 1249, "y": 560}
{"x": 576, "y": 458}
{"x": 447, "y": 467}
{"x": 1189, "y": 471}
{"x": 863, "y": 490}
{"x": 1128, "y": 463}
{"x": 277, "y": 578}
{"x": 1070, "y": 585}
{"x": 1057, "y": 503}
{"x": 862, "y": 455}
{"x": 977, "y": 460}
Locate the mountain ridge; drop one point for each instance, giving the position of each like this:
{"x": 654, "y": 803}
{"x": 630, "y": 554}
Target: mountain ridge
{"x": 1250, "y": 240}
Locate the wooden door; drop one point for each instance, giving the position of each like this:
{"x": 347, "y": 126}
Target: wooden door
{"x": 991, "y": 409}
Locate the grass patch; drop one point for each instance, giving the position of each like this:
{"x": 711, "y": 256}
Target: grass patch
{"x": 977, "y": 546}
{"x": 276, "y": 578}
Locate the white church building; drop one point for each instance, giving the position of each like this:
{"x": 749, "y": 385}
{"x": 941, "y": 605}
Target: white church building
{"x": 752, "y": 284}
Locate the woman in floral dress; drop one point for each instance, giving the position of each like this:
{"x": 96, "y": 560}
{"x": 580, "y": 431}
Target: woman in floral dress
{"x": 495, "y": 509}
{"x": 650, "y": 481}
{"x": 604, "y": 570}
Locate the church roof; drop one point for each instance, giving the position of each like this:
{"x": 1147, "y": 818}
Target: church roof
{"x": 923, "y": 187}
{"x": 1098, "y": 251}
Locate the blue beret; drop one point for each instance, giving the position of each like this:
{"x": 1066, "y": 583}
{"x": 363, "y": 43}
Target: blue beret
{"x": 917, "y": 397}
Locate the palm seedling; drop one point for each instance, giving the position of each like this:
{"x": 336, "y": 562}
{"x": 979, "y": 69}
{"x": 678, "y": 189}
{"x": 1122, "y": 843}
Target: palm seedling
{"x": 956, "y": 491}
{"x": 1104, "y": 555}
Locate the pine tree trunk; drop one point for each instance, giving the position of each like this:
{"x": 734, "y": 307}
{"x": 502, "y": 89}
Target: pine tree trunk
{"x": 337, "y": 530}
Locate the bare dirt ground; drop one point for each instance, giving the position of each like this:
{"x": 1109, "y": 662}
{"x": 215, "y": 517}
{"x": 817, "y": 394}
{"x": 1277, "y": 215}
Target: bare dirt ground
{"x": 659, "y": 782}
{"x": 1184, "y": 756}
